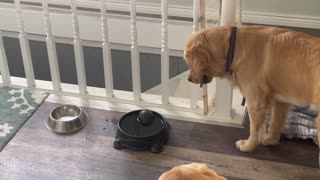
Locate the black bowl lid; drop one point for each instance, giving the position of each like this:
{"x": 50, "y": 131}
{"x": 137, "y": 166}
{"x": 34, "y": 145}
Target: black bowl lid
{"x": 141, "y": 123}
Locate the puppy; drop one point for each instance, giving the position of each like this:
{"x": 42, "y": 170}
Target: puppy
{"x": 273, "y": 67}
{"x": 194, "y": 171}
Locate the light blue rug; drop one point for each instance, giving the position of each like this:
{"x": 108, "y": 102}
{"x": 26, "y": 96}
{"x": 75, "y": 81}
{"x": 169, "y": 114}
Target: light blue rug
{"x": 16, "y": 106}
{"x": 300, "y": 124}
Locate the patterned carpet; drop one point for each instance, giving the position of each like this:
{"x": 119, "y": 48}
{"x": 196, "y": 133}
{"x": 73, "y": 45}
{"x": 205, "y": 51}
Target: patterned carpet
{"x": 16, "y": 106}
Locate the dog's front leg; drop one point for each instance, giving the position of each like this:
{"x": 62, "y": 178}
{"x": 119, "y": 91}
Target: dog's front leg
{"x": 257, "y": 111}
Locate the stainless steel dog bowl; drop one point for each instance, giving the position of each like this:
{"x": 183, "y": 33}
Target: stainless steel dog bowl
{"x": 66, "y": 119}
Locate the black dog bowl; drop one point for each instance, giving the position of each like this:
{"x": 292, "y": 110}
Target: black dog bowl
{"x": 142, "y": 130}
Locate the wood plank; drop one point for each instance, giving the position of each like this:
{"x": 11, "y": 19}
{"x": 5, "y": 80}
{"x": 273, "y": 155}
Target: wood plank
{"x": 46, "y": 154}
{"x": 50, "y": 156}
{"x": 204, "y": 137}
{"x": 37, "y": 153}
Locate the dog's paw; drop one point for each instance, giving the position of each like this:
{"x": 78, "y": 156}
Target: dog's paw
{"x": 245, "y": 146}
{"x": 269, "y": 139}
{"x": 240, "y": 143}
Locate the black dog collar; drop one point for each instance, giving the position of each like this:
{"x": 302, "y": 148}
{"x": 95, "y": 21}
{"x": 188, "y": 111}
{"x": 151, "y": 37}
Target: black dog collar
{"x": 232, "y": 44}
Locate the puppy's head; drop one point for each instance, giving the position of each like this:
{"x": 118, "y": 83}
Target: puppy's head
{"x": 205, "y": 53}
{"x": 191, "y": 172}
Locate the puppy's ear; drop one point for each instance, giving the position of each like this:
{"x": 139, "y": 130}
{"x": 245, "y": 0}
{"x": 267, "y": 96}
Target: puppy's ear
{"x": 204, "y": 169}
{"x": 171, "y": 175}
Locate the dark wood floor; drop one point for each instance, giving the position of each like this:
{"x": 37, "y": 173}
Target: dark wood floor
{"x": 37, "y": 153}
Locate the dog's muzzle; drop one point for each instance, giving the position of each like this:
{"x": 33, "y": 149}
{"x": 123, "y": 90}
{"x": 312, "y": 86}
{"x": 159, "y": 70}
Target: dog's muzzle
{"x": 205, "y": 80}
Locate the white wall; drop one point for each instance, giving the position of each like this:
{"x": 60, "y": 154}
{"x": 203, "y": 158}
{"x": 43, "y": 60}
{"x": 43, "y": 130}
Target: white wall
{"x": 291, "y": 13}
{"x": 294, "y": 7}
{"x": 171, "y": 2}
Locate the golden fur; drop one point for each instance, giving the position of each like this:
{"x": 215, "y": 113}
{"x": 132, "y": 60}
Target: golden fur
{"x": 194, "y": 171}
{"x": 273, "y": 67}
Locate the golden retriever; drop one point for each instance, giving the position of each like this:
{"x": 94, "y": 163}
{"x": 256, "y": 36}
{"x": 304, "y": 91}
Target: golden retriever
{"x": 273, "y": 67}
{"x": 194, "y": 171}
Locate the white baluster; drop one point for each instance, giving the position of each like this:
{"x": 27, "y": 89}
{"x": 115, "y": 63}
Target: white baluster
{"x": 51, "y": 48}
{"x": 78, "y": 50}
{"x": 239, "y": 12}
{"x": 4, "y": 69}
{"x": 196, "y": 8}
{"x": 203, "y": 26}
{"x": 106, "y": 50}
{"x": 223, "y": 98}
{"x": 195, "y": 88}
{"x": 135, "y": 58}
{"x": 25, "y": 47}
{"x": 164, "y": 53}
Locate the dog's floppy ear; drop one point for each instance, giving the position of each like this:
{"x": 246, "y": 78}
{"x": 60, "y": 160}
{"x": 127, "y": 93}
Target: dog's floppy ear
{"x": 198, "y": 46}
{"x": 198, "y": 39}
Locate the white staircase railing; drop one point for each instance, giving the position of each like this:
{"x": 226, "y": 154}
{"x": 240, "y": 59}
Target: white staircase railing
{"x": 164, "y": 98}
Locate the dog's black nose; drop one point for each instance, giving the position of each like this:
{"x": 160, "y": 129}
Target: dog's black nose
{"x": 205, "y": 79}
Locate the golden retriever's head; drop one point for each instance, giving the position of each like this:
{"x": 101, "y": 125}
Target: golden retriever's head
{"x": 206, "y": 54}
{"x": 194, "y": 171}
